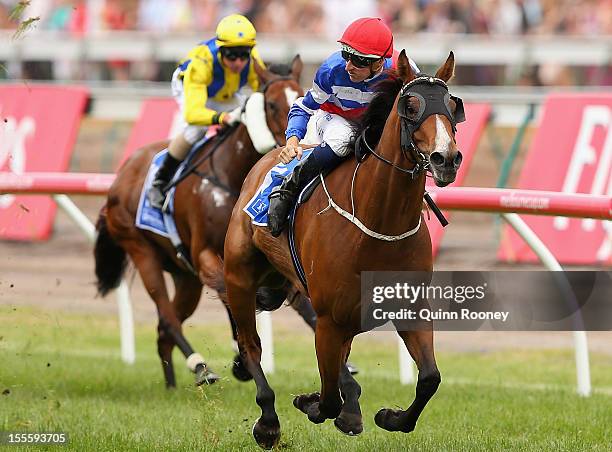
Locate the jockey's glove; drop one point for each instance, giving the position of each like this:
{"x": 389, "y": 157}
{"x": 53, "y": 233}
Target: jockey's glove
{"x": 233, "y": 116}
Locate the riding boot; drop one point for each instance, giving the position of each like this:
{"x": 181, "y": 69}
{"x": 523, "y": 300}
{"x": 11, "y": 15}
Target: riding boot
{"x": 322, "y": 158}
{"x": 157, "y": 194}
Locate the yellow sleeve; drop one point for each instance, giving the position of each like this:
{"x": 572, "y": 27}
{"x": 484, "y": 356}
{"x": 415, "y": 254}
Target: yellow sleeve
{"x": 196, "y": 79}
{"x": 253, "y": 79}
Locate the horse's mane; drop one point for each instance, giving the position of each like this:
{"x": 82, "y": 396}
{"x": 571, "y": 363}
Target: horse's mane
{"x": 377, "y": 112}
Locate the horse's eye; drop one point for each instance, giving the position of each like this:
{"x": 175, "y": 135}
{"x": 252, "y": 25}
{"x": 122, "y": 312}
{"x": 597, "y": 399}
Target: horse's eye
{"x": 412, "y": 108}
{"x": 272, "y": 107}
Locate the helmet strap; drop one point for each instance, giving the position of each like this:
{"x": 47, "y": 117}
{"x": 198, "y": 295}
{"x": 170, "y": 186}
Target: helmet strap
{"x": 372, "y": 71}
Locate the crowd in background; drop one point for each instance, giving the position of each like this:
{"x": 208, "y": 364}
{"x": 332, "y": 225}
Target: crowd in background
{"x": 317, "y": 18}
{"x": 327, "y": 17}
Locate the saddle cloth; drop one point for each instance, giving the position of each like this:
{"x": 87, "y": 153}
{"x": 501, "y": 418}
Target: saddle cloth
{"x": 153, "y": 219}
{"x": 257, "y": 207}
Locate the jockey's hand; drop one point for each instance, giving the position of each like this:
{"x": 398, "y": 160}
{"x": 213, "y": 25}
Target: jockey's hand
{"x": 231, "y": 118}
{"x": 291, "y": 150}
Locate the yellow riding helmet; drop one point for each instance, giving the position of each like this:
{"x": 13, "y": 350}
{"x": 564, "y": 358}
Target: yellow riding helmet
{"x": 235, "y": 31}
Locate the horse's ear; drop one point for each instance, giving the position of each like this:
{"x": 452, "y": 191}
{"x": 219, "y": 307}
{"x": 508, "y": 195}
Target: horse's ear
{"x": 447, "y": 71}
{"x": 296, "y": 68}
{"x": 264, "y": 75}
{"x": 404, "y": 69}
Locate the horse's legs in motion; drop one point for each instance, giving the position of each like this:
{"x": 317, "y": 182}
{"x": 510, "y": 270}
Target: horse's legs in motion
{"x": 188, "y": 291}
{"x": 420, "y": 346}
{"x": 241, "y": 298}
{"x": 349, "y": 421}
{"x": 148, "y": 262}
{"x": 211, "y": 267}
{"x": 304, "y": 308}
{"x": 329, "y": 343}
{"x": 239, "y": 367}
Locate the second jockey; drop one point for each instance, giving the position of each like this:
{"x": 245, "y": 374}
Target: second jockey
{"x": 342, "y": 88}
{"x": 206, "y": 87}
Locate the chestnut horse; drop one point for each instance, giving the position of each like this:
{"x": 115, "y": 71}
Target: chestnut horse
{"x": 409, "y": 127}
{"x": 203, "y": 205}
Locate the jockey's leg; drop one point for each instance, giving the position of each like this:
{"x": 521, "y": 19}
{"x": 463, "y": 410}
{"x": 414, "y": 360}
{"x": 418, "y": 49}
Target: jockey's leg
{"x": 321, "y": 159}
{"x": 177, "y": 151}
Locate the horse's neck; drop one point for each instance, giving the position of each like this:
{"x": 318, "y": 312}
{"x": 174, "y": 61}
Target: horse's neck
{"x": 389, "y": 200}
{"x": 234, "y": 159}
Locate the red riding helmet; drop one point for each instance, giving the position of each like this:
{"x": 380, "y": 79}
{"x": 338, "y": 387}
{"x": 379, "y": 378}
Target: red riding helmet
{"x": 370, "y": 37}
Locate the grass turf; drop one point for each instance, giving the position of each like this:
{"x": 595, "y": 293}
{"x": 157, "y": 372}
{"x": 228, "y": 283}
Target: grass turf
{"x": 62, "y": 372}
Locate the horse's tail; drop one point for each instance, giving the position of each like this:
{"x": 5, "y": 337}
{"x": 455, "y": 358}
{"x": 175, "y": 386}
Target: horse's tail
{"x": 111, "y": 259}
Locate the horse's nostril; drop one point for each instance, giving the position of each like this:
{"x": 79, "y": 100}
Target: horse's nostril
{"x": 458, "y": 159}
{"x": 436, "y": 158}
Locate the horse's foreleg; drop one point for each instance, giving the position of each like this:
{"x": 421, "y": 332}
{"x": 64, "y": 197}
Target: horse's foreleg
{"x": 186, "y": 298}
{"x": 329, "y": 342}
{"x": 241, "y": 299}
{"x": 303, "y": 307}
{"x": 420, "y": 346}
{"x": 350, "y": 420}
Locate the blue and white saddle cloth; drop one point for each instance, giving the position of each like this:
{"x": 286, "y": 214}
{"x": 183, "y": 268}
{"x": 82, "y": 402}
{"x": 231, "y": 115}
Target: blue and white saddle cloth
{"x": 257, "y": 207}
{"x": 153, "y": 219}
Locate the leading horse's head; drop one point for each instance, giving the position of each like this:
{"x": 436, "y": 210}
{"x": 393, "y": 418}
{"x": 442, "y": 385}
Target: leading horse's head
{"x": 429, "y": 115}
{"x": 280, "y": 90}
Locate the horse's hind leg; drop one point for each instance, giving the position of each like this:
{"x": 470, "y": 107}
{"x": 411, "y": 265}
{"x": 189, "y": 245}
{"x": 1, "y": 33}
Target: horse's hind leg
{"x": 186, "y": 298}
{"x": 241, "y": 298}
{"x": 329, "y": 341}
{"x": 148, "y": 262}
{"x": 420, "y": 346}
{"x": 211, "y": 268}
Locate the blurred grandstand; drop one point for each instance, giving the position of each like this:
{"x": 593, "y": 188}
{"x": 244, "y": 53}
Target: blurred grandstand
{"x": 497, "y": 42}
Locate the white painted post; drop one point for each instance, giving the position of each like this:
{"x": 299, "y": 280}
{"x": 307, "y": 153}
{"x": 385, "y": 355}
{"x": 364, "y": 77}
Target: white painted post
{"x": 406, "y": 364}
{"x": 583, "y": 374}
{"x": 264, "y": 328}
{"x": 126, "y": 320}
{"x": 126, "y": 324}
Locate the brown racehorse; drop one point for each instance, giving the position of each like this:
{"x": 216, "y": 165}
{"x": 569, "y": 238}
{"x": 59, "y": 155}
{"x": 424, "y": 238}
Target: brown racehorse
{"x": 408, "y": 133}
{"x": 203, "y": 205}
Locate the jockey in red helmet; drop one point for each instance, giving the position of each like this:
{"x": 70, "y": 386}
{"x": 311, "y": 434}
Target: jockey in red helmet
{"x": 341, "y": 90}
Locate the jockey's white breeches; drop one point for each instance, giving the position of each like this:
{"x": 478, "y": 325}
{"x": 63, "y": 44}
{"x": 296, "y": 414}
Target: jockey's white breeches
{"x": 193, "y": 133}
{"x": 331, "y": 129}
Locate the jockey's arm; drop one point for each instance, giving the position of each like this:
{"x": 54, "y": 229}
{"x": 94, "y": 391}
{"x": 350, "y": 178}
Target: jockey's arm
{"x": 196, "y": 79}
{"x": 301, "y": 111}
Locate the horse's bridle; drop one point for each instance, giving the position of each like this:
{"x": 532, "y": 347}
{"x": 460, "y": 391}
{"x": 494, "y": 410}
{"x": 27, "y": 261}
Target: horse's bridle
{"x": 434, "y": 99}
{"x": 264, "y": 89}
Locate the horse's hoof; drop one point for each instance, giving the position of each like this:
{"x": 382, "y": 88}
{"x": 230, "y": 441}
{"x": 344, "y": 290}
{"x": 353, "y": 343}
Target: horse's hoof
{"x": 353, "y": 369}
{"x": 205, "y": 376}
{"x": 309, "y": 405}
{"x": 239, "y": 370}
{"x": 266, "y": 436}
{"x": 349, "y": 424}
{"x": 393, "y": 420}
{"x": 304, "y": 401}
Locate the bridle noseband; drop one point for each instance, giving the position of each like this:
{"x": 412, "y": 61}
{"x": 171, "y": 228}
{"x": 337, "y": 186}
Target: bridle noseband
{"x": 434, "y": 99}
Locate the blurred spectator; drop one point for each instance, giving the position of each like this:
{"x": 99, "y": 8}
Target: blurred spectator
{"x": 327, "y": 18}
{"x": 508, "y": 17}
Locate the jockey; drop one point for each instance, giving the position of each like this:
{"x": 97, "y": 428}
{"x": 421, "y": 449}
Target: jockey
{"x": 205, "y": 85}
{"x": 342, "y": 89}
